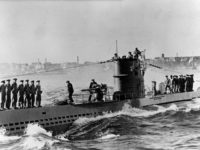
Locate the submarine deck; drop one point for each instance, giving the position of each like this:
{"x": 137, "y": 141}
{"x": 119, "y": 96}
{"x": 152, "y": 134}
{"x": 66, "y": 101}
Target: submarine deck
{"x": 58, "y": 118}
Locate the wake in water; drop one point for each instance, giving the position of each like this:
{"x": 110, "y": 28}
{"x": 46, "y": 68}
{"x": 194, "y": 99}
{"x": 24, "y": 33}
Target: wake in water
{"x": 130, "y": 120}
{"x": 141, "y": 124}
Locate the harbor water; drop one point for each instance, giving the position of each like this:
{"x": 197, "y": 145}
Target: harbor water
{"x": 173, "y": 126}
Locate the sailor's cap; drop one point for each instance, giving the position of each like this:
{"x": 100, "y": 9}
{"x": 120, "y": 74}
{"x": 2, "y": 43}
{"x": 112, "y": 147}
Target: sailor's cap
{"x": 15, "y": 79}
{"x": 166, "y": 76}
{"x": 191, "y": 75}
{"x": 27, "y": 80}
{"x": 8, "y": 80}
{"x": 3, "y": 81}
{"x": 32, "y": 81}
{"x": 21, "y": 80}
{"x": 67, "y": 81}
{"x": 92, "y": 80}
{"x": 38, "y": 81}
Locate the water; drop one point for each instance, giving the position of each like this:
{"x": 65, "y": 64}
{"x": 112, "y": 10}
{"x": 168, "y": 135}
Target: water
{"x": 174, "y": 126}
{"x": 170, "y": 127}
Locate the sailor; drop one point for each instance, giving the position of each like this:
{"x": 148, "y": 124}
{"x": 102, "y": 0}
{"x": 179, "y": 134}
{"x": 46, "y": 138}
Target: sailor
{"x": 167, "y": 84}
{"x": 116, "y": 57}
{"x": 8, "y": 94}
{"x": 99, "y": 93}
{"x": 154, "y": 88}
{"x": 184, "y": 83}
{"x": 176, "y": 83}
{"x": 191, "y": 82}
{"x": 21, "y": 94}
{"x": 130, "y": 55}
{"x": 137, "y": 53}
{"x": 173, "y": 79}
{"x": 70, "y": 91}
{"x": 14, "y": 93}
{"x": 3, "y": 94}
{"x": 181, "y": 83}
{"x": 27, "y": 101}
{"x": 38, "y": 94}
{"x": 32, "y": 93}
{"x": 187, "y": 83}
{"x": 93, "y": 84}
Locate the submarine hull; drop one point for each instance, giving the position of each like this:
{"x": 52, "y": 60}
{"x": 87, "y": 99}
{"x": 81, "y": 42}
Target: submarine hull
{"x": 59, "y": 118}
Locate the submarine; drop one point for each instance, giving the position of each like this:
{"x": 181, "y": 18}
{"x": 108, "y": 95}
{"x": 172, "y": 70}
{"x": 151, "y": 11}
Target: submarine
{"x": 128, "y": 88}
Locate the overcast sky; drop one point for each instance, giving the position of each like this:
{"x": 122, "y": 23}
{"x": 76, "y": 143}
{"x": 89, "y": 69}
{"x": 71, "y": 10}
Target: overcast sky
{"x": 62, "y": 30}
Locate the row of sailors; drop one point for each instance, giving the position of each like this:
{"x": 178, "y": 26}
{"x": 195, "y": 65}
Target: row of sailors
{"x": 26, "y": 94}
{"x": 179, "y": 84}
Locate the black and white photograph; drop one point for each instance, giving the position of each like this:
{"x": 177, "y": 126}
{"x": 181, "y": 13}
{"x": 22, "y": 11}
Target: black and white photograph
{"x": 99, "y": 74}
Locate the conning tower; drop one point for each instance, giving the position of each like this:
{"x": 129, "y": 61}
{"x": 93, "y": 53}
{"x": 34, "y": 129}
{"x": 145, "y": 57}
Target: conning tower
{"x": 129, "y": 78}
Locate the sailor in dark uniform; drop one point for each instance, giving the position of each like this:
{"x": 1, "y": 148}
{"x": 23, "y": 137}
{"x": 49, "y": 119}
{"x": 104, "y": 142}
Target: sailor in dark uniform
{"x": 130, "y": 55}
{"x": 99, "y": 93}
{"x": 137, "y": 53}
{"x": 116, "y": 57}
{"x": 38, "y": 94}
{"x": 93, "y": 84}
{"x": 179, "y": 83}
{"x": 182, "y": 84}
{"x": 191, "y": 82}
{"x": 187, "y": 83}
{"x": 14, "y": 93}
{"x": 27, "y": 95}
{"x": 21, "y": 94}
{"x": 32, "y": 92}
{"x": 70, "y": 91}
{"x": 173, "y": 83}
{"x": 167, "y": 84}
{"x": 3, "y": 94}
{"x": 8, "y": 94}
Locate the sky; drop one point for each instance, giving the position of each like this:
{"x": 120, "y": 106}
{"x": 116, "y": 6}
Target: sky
{"x": 64, "y": 29}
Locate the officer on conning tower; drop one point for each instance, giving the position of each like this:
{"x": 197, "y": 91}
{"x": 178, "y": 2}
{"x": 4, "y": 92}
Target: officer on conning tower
{"x": 3, "y": 94}
{"x": 21, "y": 94}
{"x": 137, "y": 53}
{"x": 130, "y": 56}
{"x": 70, "y": 91}
{"x": 14, "y": 93}
{"x": 8, "y": 94}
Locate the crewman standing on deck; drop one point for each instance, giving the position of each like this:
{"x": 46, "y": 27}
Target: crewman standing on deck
{"x": 21, "y": 94}
{"x": 70, "y": 91}
{"x": 3, "y": 94}
{"x": 32, "y": 92}
{"x": 14, "y": 93}
{"x": 93, "y": 84}
{"x": 167, "y": 84}
{"x": 38, "y": 94}
{"x": 8, "y": 94}
{"x": 27, "y": 94}
{"x": 192, "y": 82}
